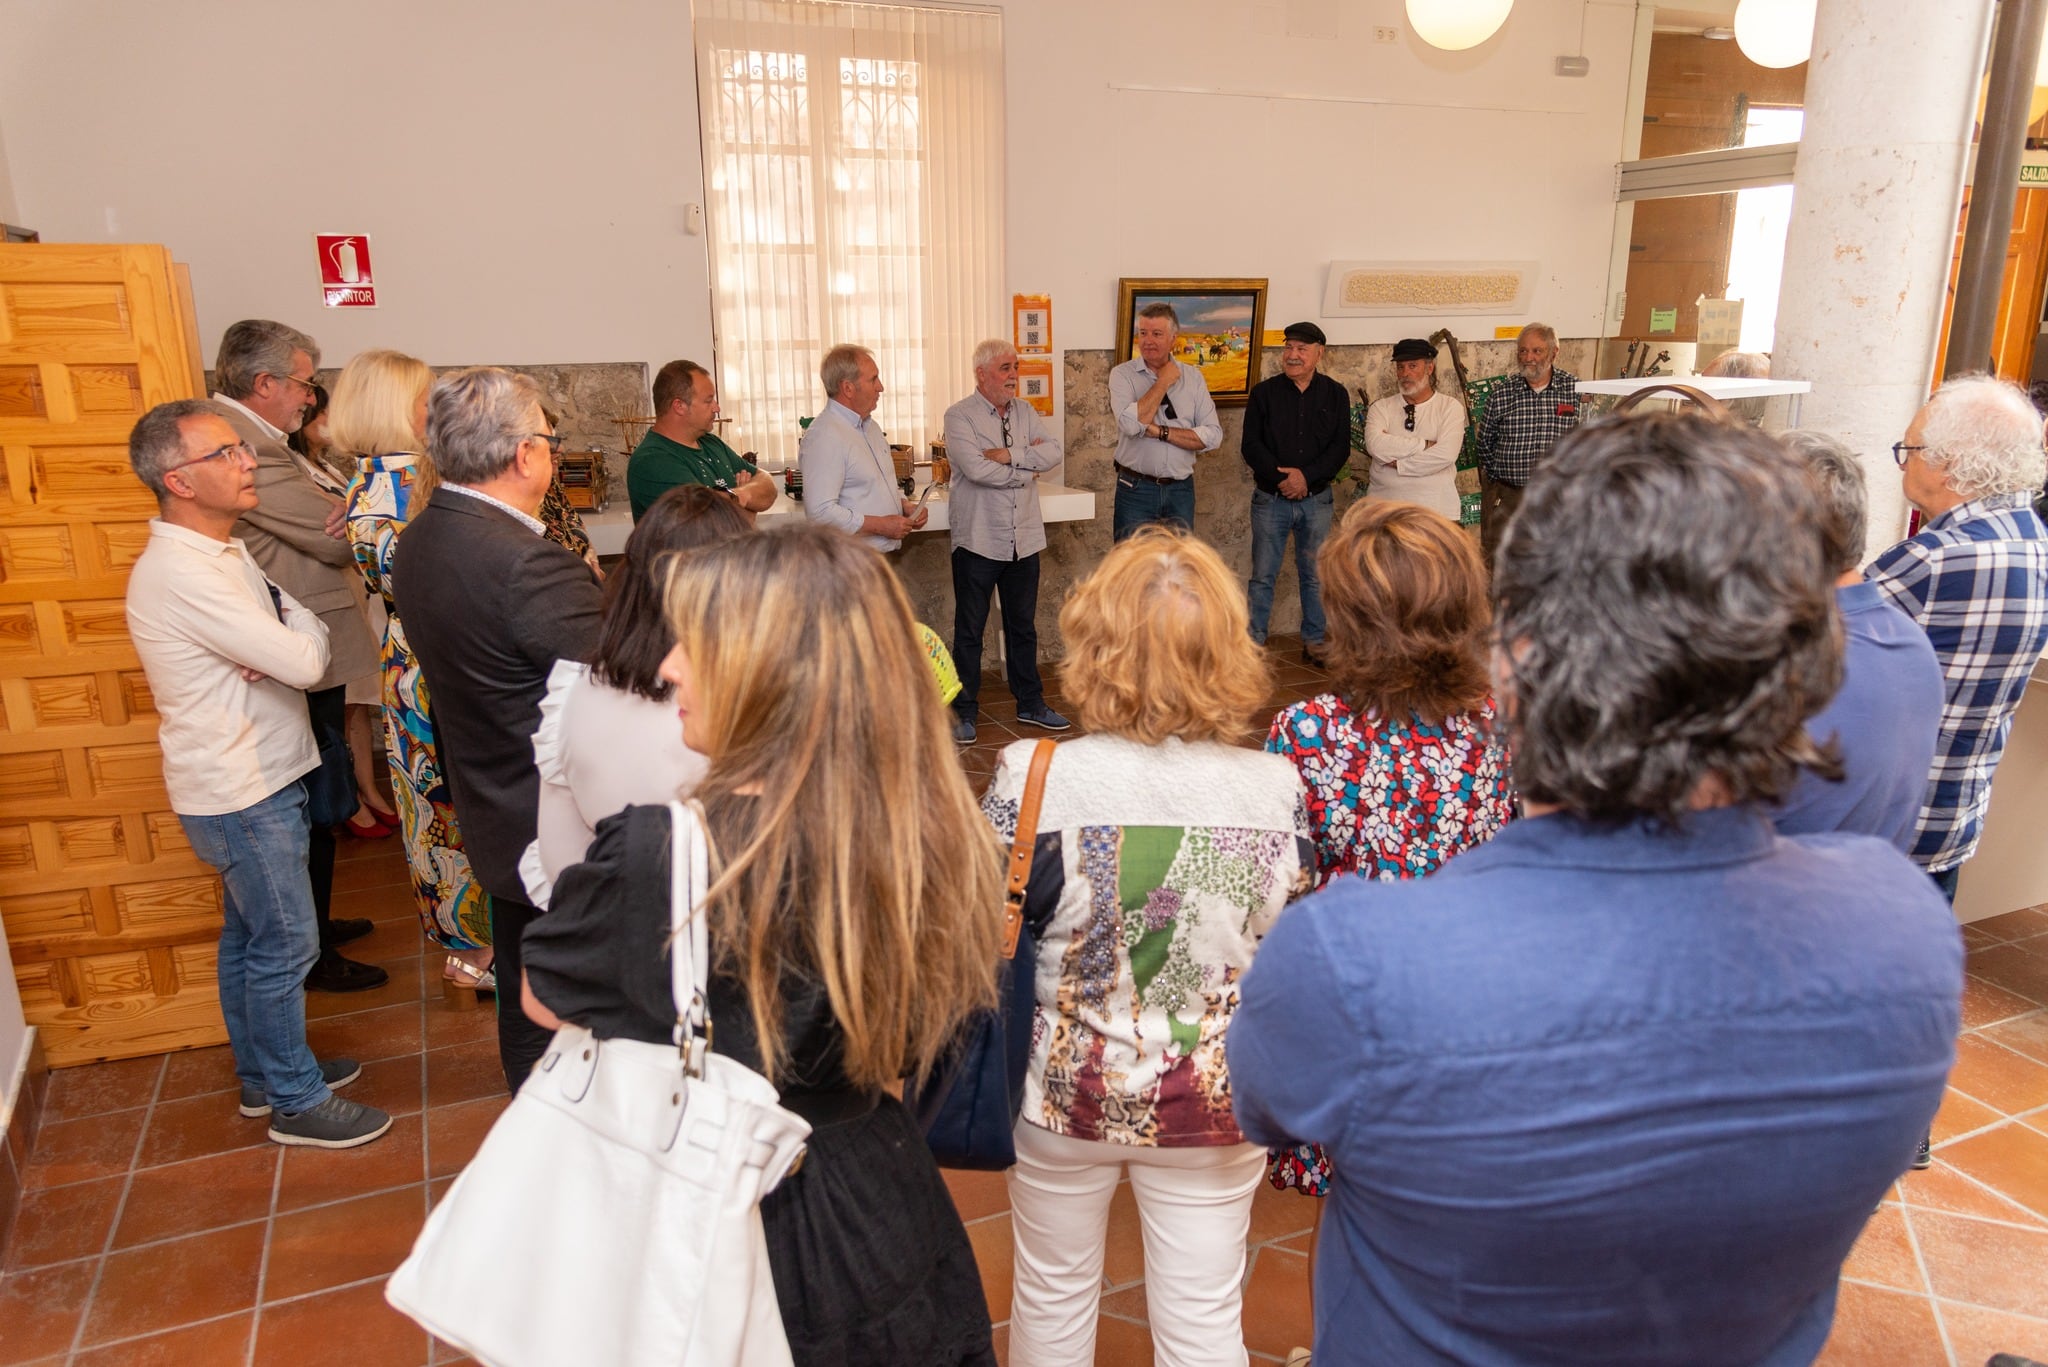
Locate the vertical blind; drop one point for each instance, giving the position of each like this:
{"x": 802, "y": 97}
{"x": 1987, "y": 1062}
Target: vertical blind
{"x": 853, "y": 157}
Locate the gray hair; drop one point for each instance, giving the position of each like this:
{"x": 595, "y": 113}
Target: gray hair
{"x": 1983, "y": 437}
{"x": 991, "y": 351}
{"x": 1662, "y": 615}
{"x": 157, "y": 441}
{"x": 476, "y": 419}
{"x": 1543, "y": 330}
{"x": 1843, "y": 499}
{"x": 1159, "y": 308}
{"x": 1739, "y": 365}
{"x": 841, "y": 367}
{"x": 255, "y": 347}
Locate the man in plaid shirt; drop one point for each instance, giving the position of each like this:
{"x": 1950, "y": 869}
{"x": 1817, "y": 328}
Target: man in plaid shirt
{"x": 1525, "y": 415}
{"x": 1976, "y": 580}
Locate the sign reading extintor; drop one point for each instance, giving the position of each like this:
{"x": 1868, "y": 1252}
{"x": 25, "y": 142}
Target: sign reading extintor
{"x": 345, "y": 279}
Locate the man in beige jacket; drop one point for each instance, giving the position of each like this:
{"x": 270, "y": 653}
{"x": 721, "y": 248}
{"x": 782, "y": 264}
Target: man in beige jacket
{"x": 263, "y": 380}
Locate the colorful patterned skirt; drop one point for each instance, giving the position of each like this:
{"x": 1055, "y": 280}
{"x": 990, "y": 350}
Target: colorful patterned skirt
{"x": 454, "y": 911}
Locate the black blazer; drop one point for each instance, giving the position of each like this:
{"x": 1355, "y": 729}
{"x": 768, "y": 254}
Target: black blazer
{"x": 489, "y": 605}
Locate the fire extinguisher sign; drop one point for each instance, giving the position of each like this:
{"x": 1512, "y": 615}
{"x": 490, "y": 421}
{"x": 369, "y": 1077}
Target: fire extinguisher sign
{"x": 345, "y": 279}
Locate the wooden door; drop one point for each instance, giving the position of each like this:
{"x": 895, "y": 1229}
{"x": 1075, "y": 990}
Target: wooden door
{"x": 2020, "y": 291}
{"x": 110, "y": 918}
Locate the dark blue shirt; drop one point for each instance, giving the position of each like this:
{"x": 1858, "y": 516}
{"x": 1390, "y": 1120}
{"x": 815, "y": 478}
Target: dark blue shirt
{"x": 1600, "y": 1095}
{"x": 1884, "y": 719}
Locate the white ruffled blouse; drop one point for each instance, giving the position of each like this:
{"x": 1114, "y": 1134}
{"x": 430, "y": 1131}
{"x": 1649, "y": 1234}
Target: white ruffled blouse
{"x": 599, "y": 750}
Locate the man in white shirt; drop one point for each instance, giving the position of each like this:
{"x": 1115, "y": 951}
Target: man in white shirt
{"x": 227, "y": 654}
{"x": 1415, "y": 436}
{"x": 263, "y": 375}
{"x": 849, "y": 475}
{"x": 1164, "y": 419}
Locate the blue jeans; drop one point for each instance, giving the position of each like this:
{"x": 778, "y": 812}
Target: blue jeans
{"x": 1273, "y": 517}
{"x": 267, "y": 942}
{"x": 1139, "y": 501}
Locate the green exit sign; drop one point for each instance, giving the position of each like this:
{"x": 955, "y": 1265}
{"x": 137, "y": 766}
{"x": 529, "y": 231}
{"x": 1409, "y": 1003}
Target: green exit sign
{"x": 2034, "y": 175}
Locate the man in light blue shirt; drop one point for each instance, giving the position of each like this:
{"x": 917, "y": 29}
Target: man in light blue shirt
{"x": 849, "y": 476}
{"x": 1164, "y": 418}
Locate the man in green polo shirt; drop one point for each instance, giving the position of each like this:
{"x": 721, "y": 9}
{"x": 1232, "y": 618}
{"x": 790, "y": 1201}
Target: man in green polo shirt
{"x": 682, "y": 449}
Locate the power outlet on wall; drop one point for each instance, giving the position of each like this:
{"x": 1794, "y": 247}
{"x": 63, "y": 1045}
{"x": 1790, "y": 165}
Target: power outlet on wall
{"x": 1385, "y": 34}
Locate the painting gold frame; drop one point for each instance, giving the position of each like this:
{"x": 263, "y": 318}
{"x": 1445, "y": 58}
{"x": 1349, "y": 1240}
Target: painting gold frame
{"x": 1222, "y": 327}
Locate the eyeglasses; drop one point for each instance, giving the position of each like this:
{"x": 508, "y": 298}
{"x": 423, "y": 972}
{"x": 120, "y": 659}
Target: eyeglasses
{"x": 1408, "y": 421}
{"x": 311, "y": 389}
{"x": 554, "y": 441}
{"x": 1899, "y": 450}
{"x": 234, "y": 450}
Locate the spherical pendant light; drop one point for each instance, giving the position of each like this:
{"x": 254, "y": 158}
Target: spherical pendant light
{"x": 1457, "y": 24}
{"x": 1775, "y": 33}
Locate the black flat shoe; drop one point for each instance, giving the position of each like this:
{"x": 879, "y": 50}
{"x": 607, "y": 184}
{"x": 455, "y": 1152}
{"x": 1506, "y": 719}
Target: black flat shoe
{"x": 332, "y": 973}
{"x": 342, "y": 929}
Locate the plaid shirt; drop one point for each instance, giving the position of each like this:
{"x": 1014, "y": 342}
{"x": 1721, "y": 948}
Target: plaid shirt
{"x": 1976, "y": 580}
{"x": 1521, "y": 425}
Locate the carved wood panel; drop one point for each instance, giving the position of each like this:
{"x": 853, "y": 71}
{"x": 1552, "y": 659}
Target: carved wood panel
{"x": 111, "y": 919}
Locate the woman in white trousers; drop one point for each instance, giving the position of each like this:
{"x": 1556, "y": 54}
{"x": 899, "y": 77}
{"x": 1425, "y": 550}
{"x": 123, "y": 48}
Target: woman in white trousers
{"x": 1163, "y": 855}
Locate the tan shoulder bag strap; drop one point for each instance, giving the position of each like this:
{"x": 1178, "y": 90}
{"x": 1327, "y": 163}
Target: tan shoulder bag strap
{"x": 1022, "y": 846}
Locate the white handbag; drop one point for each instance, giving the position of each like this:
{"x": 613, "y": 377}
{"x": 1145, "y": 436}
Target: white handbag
{"x": 613, "y": 1214}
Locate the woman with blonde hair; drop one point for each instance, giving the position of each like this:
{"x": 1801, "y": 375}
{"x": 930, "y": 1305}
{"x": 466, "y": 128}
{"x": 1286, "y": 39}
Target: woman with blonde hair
{"x": 1164, "y": 853}
{"x": 1403, "y": 758}
{"x": 854, "y": 914}
{"x": 379, "y": 414}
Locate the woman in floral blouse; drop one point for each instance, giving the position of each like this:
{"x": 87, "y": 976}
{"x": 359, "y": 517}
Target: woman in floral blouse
{"x": 1164, "y": 854}
{"x": 1402, "y": 761}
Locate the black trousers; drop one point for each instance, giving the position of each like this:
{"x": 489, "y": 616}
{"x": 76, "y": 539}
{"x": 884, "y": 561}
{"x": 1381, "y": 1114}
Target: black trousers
{"x": 974, "y": 578}
{"x": 520, "y": 1041}
{"x": 328, "y": 708}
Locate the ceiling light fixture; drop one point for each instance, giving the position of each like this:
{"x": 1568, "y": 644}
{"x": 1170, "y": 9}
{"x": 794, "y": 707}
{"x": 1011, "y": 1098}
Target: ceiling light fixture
{"x": 1454, "y": 25}
{"x": 1775, "y": 33}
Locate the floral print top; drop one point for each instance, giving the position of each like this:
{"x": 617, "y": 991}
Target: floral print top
{"x": 1394, "y": 799}
{"x": 1157, "y": 870}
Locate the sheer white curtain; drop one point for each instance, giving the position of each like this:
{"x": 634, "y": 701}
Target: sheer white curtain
{"x": 853, "y": 157}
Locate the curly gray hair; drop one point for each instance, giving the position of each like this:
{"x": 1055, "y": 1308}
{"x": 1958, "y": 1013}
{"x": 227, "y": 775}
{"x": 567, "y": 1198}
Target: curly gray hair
{"x": 1663, "y": 615}
{"x": 1983, "y": 436}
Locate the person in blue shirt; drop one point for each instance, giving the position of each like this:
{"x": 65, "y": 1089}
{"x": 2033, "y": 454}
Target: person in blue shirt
{"x": 1623, "y": 1084}
{"x": 1886, "y": 715}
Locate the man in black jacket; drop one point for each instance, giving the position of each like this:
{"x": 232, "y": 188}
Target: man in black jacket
{"x": 489, "y": 605}
{"x": 1297, "y": 436}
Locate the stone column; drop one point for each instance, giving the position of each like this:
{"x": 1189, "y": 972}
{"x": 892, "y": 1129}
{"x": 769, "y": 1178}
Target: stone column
{"x": 1891, "y": 95}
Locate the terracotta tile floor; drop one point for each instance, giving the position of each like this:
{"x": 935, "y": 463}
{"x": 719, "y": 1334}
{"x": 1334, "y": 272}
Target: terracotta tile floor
{"x": 160, "y": 1227}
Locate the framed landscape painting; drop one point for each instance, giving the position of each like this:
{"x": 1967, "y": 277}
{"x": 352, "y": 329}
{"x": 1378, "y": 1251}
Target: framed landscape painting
{"x": 1222, "y": 325}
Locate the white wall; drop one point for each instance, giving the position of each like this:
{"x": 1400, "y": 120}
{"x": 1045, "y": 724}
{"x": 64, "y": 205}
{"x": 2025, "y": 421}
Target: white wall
{"x": 1107, "y": 182}
{"x": 522, "y": 167}
{"x": 6, "y": 184}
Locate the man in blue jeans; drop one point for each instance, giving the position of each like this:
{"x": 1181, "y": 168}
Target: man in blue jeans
{"x": 1164, "y": 419}
{"x": 228, "y": 656}
{"x": 1297, "y": 436}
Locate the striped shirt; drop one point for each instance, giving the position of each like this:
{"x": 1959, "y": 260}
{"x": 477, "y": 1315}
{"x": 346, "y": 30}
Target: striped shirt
{"x": 1976, "y": 580}
{"x": 1522, "y": 424}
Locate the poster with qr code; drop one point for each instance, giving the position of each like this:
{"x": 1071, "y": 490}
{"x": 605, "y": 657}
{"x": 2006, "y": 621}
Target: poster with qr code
{"x": 1033, "y": 324}
{"x": 1034, "y": 384}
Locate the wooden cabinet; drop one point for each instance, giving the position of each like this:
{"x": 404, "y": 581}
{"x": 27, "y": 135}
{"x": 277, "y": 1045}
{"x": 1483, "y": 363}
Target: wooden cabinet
{"x": 110, "y": 918}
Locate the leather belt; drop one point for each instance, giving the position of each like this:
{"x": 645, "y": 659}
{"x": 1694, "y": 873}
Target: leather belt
{"x": 1123, "y": 469}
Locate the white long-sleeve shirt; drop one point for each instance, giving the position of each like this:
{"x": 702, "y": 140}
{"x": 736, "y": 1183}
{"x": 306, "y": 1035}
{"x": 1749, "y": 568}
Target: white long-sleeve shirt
{"x": 1187, "y": 404}
{"x": 199, "y": 611}
{"x": 1424, "y": 474}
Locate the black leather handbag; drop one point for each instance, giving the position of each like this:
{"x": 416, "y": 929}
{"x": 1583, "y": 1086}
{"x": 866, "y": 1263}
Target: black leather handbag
{"x": 968, "y": 1107}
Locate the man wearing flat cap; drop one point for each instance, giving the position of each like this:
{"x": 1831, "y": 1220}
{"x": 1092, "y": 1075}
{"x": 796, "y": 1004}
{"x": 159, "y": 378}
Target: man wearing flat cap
{"x": 1297, "y": 436}
{"x": 1414, "y": 436}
